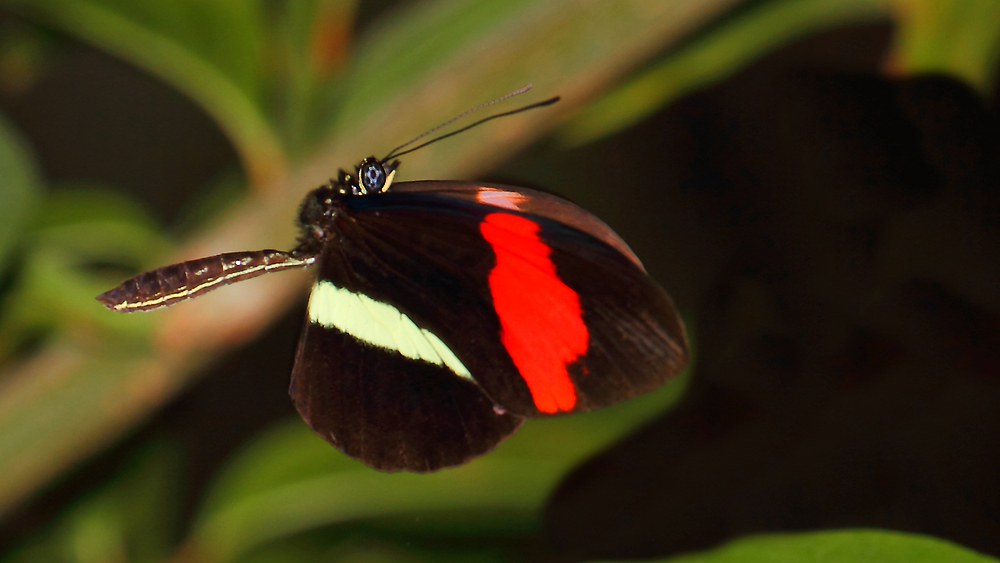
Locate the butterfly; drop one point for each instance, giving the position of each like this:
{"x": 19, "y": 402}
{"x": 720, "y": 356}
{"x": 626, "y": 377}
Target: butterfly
{"x": 446, "y": 313}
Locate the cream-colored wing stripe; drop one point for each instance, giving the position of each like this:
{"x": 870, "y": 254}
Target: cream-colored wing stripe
{"x": 379, "y": 324}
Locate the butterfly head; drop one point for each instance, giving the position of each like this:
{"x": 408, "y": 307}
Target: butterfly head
{"x": 372, "y": 176}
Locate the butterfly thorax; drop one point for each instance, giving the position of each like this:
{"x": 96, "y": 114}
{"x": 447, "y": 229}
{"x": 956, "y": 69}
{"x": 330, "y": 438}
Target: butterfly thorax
{"x": 322, "y": 206}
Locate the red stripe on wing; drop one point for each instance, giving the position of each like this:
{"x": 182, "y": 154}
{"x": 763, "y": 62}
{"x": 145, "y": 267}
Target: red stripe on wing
{"x": 541, "y": 323}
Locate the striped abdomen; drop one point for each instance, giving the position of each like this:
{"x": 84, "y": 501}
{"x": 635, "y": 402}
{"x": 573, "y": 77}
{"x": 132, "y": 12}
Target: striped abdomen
{"x": 177, "y": 282}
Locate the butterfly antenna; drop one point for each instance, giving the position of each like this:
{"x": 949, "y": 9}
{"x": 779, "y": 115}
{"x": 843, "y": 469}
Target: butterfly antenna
{"x": 395, "y": 152}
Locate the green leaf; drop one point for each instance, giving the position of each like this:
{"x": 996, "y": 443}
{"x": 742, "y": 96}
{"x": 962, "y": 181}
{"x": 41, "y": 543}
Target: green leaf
{"x": 960, "y": 38}
{"x": 312, "y": 38}
{"x": 839, "y": 546}
{"x": 74, "y": 230}
{"x": 212, "y": 50}
{"x": 19, "y": 189}
{"x": 733, "y": 43}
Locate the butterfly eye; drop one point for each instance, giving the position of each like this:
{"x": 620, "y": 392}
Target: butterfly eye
{"x": 372, "y": 175}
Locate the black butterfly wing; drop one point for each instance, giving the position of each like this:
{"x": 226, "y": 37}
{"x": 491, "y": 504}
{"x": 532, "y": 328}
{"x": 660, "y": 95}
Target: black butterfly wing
{"x": 526, "y": 201}
{"x": 391, "y": 411}
{"x": 636, "y": 337}
{"x": 587, "y": 320}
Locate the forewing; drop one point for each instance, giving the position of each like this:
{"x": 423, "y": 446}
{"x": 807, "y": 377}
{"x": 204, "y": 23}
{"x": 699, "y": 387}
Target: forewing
{"x": 510, "y": 302}
{"x": 524, "y": 200}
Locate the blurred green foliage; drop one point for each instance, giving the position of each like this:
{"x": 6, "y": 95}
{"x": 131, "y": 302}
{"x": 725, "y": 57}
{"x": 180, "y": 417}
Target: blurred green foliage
{"x": 20, "y": 189}
{"x": 133, "y": 518}
{"x": 289, "y": 482}
{"x": 291, "y": 86}
{"x": 842, "y": 545}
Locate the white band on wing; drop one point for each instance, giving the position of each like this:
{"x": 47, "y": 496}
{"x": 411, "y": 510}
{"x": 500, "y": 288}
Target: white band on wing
{"x": 379, "y": 324}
